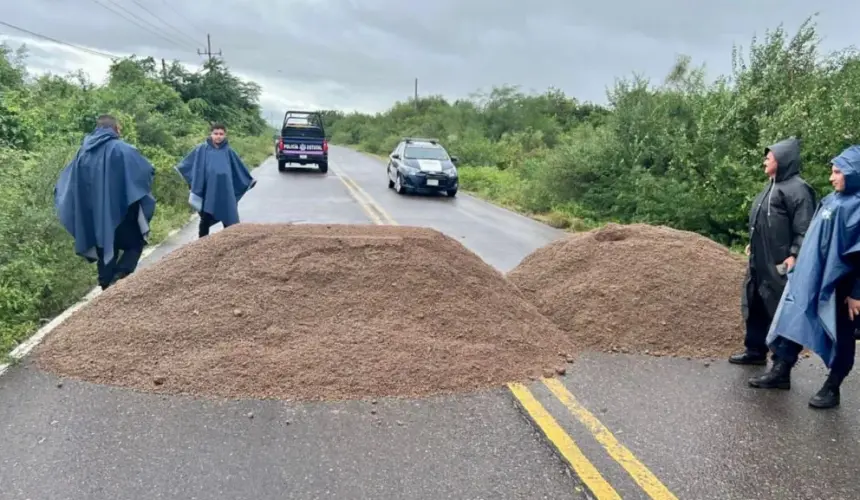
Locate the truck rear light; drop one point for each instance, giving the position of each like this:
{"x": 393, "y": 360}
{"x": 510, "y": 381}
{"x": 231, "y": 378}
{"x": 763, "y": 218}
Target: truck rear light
{"x": 281, "y": 143}
{"x": 325, "y": 146}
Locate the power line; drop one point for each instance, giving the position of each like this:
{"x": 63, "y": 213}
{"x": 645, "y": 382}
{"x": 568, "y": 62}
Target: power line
{"x": 179, "y": 14}
{"x": 122, "y": 13}
{"x": 54, "y": 40}
{"x": 155, "y": 28}
{"x": 174, "y": 28}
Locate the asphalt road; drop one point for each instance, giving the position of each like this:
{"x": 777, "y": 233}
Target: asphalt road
{"x": 706, "y": 435}
{"x": 90, "y": 442}
{"x": 690, "y": 429}
{"x": 501, "y": 237}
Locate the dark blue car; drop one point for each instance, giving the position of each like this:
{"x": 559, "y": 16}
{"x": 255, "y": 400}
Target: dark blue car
{"x": 422, "y": 166}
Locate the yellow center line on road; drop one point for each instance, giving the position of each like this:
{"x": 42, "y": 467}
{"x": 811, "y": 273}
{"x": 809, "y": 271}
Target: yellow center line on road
{"x": 376, "y": 213}
{"x": 637, "y": 470}
{"x": 561, "y": 440}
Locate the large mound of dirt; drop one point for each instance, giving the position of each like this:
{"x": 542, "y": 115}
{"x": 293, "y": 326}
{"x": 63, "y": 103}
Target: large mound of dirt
{"x": 639, "y": 289}
{"x": 307, "y": 312}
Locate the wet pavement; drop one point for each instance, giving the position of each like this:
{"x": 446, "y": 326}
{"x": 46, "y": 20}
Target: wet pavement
{"x": 501, "y": 237}
{"x": 88, "y": 442}
{"x": 706, "y": 435}
{"x": 693, "y": 428}
{"x": 91, "y": 442}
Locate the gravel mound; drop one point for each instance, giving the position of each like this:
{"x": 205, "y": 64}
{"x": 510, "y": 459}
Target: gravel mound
{"x": 639, "y": 289}
{"x": 310, "y": 312}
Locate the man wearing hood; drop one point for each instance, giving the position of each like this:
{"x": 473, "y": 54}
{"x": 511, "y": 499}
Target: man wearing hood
{"x": 217, "y": 178}
{"x": 103, "y": 198}
{"x": 778, "y": 220}
{"x": 820, "y": 308}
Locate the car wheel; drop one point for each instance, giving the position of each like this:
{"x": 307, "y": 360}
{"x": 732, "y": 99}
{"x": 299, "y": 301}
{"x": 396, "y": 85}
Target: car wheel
{"x": 398, "y": 185}
{"x": 323, "y": 167}
{"x": 452, "y": 193}
{"x": 282, "y": 166}
{"x": 388, "y": 174}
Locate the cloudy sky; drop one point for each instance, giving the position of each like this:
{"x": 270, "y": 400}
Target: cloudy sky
{"x": 365, "y": 54}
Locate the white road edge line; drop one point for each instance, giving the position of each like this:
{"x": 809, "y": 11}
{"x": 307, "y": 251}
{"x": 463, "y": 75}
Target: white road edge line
{"x": 28, "y": 345}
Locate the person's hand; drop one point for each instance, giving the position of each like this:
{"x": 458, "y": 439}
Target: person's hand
{"x": 747, "y": 250}
{"x": 853, "y": 308}
{"x": 789, "y": 263}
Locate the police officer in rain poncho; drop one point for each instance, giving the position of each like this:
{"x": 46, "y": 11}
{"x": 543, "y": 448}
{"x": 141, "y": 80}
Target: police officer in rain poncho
{"x": 820, "y": 308}
{"x": 217, "y": 179}
{"x": 778, "y": 221}
{"x": 103, "y": 198}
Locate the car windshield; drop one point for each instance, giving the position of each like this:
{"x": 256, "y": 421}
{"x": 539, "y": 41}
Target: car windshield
{"x": 421, "y": 153}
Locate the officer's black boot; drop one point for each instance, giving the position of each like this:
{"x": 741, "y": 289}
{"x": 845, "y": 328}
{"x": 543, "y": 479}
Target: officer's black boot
{"x": 779, "y": 377}
{"x": 748, "y": 358}
{"x": 828, "y": 396}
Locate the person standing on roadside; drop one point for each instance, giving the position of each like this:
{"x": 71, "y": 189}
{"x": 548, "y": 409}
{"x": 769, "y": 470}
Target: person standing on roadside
{"x": 820, "y": 308}
{"x": 778, "y": 220}
{"x": 217, "y": 178}
{"x": 103, "y": 198}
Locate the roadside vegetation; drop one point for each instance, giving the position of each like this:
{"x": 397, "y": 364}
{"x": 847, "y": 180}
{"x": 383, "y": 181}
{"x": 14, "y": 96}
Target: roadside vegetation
{"x": 164, "y": 112}
{"x": 685, "y": 152}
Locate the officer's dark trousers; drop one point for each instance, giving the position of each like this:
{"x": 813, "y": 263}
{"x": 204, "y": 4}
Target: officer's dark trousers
{"x": 206, "y": 223}
{"x": 788, "y": 350}
{"x": 757, "y": 325}
{"x": 124, "y": 262}
{"x": 127, "y": 250}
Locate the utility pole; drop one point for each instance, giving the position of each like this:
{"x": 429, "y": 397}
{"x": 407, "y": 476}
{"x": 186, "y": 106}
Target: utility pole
{"x": 208, "y": 51}
{"x": 163, "y": 70}
{"x": 416, "y": 93}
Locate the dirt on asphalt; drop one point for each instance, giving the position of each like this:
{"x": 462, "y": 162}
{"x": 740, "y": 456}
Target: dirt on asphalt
{"x": 310, "y": 312}
{"x": 639, "y": 289}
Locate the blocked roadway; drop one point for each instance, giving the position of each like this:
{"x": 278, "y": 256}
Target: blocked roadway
{"x": 85, "y": 441}
{"x": 616, "y": 426}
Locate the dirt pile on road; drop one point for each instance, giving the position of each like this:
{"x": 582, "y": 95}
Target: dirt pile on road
{"x": 639, "y": 289}
{"x": 310, "y": 312}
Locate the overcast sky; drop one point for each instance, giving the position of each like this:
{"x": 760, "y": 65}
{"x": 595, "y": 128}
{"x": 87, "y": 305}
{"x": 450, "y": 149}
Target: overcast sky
{"x": 364, "y": 54}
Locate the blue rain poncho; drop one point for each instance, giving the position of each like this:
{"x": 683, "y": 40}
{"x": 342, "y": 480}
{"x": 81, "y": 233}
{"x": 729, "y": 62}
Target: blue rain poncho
{"x": 95, "y": 190}
{"x": 808, "y": 308}
{"x": 218, "y": 179}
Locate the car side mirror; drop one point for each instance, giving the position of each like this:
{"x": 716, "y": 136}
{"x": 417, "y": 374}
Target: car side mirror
{"x": 395, "y": 156}
{"x": 454, "y": 159}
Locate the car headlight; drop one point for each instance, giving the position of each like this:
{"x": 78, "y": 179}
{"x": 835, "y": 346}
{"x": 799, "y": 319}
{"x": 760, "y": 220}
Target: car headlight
{"x": 409, "y": 170}
{"x": 452, "y": 172}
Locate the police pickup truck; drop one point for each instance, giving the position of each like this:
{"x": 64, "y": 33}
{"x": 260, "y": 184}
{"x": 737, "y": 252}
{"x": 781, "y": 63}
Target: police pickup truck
{"x": 302, "y": 141}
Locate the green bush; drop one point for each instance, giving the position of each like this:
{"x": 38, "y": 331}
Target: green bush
{"x": 42, "y": 123}
{"x": 686, "y": 153}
